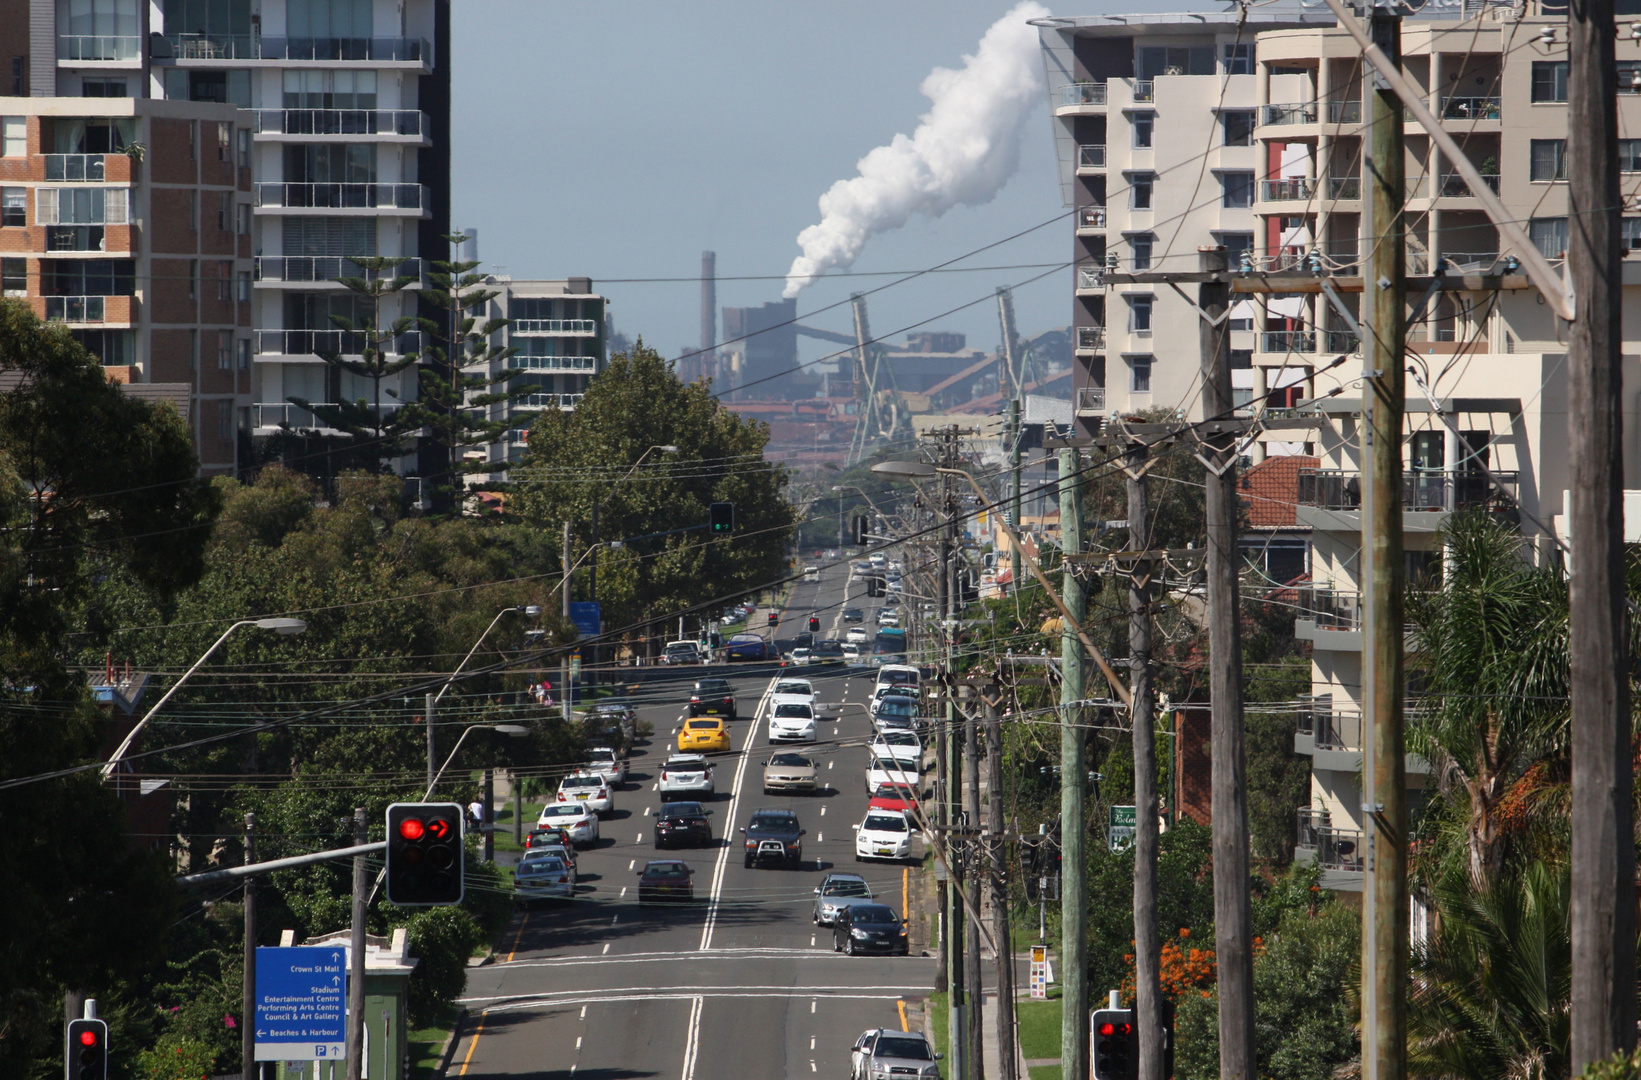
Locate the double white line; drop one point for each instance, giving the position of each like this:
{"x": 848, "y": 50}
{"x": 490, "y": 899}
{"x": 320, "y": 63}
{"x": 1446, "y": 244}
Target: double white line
{"x": 729, "y": 821}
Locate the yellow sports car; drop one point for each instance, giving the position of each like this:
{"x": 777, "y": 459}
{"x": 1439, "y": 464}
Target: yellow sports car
{"x": 703, "y": 734}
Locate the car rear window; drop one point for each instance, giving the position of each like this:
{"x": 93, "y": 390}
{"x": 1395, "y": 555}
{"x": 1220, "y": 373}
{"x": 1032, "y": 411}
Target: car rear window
{"x": 703, "y": 724}
{"x": 582, "y": 782}
{"x": 872, "y": 913}
{"x": 899, "y": 738}
{"x": 847, "y": 887}
{"x": 666, "y": 870}
{"x": 547, "y": 863}
{"x": 685, "y": 765}
{"x": 792, "y": 687}
{"x": 563, "y": 810}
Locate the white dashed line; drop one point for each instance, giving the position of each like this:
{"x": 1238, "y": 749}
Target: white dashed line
{"x": 811, "y": 1042}
{"x": 646, "y": 811}
{"x": 631, "y": 863}
{"x": 640, "y": 839}
{"x": 584, "y": 1012}
{"x": 811, "y": 1064}
{"x": 823, "y": 811}
{"x": 578, "y": 1042}
{"x": 829, "y": 764}
{"x": 606, "y": 952}
{"x": 811, "y": 1005}
{"x": 820, "y": 838}
{"x": 623, "y": 892}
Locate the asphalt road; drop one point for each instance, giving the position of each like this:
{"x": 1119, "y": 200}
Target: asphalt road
{"x": 739, "y": 984}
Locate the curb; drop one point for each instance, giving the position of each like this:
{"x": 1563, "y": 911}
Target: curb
{"x": 449, "y": 1050}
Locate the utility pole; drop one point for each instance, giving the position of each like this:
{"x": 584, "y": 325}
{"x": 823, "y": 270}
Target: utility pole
{"x": 1014, "y": 493}
{"x": 942, "y": 782}
{"x": 997, "y": 826}
{"x": 1147, "y": 945}
{"x": 1073, "y": 861}
{"x": 490, "y": 805}
{"x": 956, "y": 928}
{"x": 356, "y": 966}
{"x": 564, "y": 599}
{"x": 1384, "y": 821}
{"x": 973, "y": 979}
{"x": 1603, "y": 857}
{"x": 247, "y": 1012}
{"x": 432, "y": 755}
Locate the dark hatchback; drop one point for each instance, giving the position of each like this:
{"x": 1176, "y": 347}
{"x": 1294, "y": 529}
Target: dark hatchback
{"x": 682, "y": 824}
{"x": 853, "y": 614}
{"x": 826, "y": 651}
{"x": 666, "y": 881}
{"x": 713, "y": 697}
{"x": 774, "y": 836}
{"x": 868, "y": 928}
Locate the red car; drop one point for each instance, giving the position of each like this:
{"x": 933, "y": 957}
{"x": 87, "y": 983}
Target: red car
{"x": 666, "y": 880}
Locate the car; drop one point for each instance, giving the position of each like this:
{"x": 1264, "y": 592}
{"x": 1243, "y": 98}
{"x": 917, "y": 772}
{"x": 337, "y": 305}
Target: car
{"x": 565, "y": 851}
{"x": 877, "y": 559}
{"x": 713, "y": 697}
{"x": 793, "y": 688}
{"x": 589, "y": 789}
{"x": 884, "y": 1052}
{"x": 898, "y": 675}
{"x": 750, "y": 646}
{"x": 862, "y": 567}
{"x": 897, "y": 800}
{"x": 791, "y": 720}
{"x": 680, "y": 823}
{"x": 826, "y": 651}
{"x": 888, "y": 772}
{"x": 800, "y": 657}
{"x": 837, "y": 891}
{"x": 894, "y": 712}
{"x": 666, "y": 881}
{"x": 853, "y": 614}
{"x": 574, "y": 818}
{"x": 543, "y": 876}
{"x": 889, "y": 619}
{"x": 789, "y": 772}
{"x": 706, "y": 734}
{"x": 773, "y": 836}
{"x": 902, "y": 746}
{"x": 686, "y": 775}
{"x": 611, "y": 724}
{"x": 851, "y": 653}
{"x": 682, "y": 652}
{"x": 910, "y": 693}
{"x": 891, "y": 599}
{"x": 547, "y": 837}
{"x": 883, "y": 834}
{"x": 857, "y": 635}
{"x": 606, "y": 762}
{"x": 884, "y": 615}
{"x": 869, "y": 928}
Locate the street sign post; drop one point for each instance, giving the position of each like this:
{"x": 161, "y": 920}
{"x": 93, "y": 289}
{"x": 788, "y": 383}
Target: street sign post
{"x": 1041, "y": 975}
{"x": 301, "y": 1003}
{"x": 1120, "y": 830}
{"x": 587, "y": 617}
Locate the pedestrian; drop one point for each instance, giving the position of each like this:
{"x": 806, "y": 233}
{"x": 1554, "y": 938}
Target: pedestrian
{"x": 475, "y": 813}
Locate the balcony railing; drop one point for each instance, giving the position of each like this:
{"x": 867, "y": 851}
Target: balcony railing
{"x": 554, "y": 363}
{"x": 1344, "y": 112}
{"x": 1090, "y": 338}
{"x": 362, "y": 196}
{"x": 1286, "y": 341}
{"x": 344, "y": 342}
{"x": 288, "y": 414}
{"x": 340, "y": 122}
{"x": 1090, "y": 400}
{"x": 1091, "y": 217}
{"x": 1301, "y": 113}
{"x": 1344, "y": 187}
{"x": 1422, "y": 489}
{"x": 75, "y": 238}
{"x": 1341, "y": 341}
{"x": 1091, "y": 156}
{"x": 1329, "y": 608}
{"x": 1090, "y": 277}
{"x": 567, "y": 402}
{"x": 75, "y": 309}
{"x": 253, "y": 47}
{"x": 1287, "y": 189}
{"x": 554, "y": 327}
{"x": 1144, "y": 90}
{"x": 1326, "y": 725}
{"x": 1089, "y": 93}
{"x": 1474, "y": 262}
{"x": 322, "y": 268}
{"x": 1486, "y": 107}
{"x": 98, "y": 47}
{"x": 1455, "y": 186}
{"x": 1333, "y": 849}
{"x": 74, "y": 167}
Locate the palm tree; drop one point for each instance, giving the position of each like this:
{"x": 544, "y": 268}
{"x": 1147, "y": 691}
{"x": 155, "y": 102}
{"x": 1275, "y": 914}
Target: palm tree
{"x": 1490, "y": 645}
{"x": 1492, "y": 986}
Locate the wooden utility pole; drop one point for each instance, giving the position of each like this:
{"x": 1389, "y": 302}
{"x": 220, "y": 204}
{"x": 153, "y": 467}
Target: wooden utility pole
{"x": 1384, "y": 332}
{"x": 1147, "y": 945}
{"x": 1233, "y": 915}
{"x": 1603, "y": 854}
{"x": 356, "y": 963}
{"x": 997, "y": 826}
{"x": 247, "y": 1015}
{"x": 973, "y": 977}
{"x": 1014, "y": 494}
{"x": 1073, "y": 736}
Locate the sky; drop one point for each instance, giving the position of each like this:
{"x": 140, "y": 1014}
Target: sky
{"x": 620, "y": 139}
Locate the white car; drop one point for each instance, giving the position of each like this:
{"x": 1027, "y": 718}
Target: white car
{"x": 543, "y": 876}
{"x": 791, "y": 720}
{"x": 851, "y": 652}
{"x": 885, "y": 834}
{"x": 574, "y": 818}
{"x": 887, "y": 772}
{"x": 902, "y": 746}
{"x": 799, "y": 657}
{"x": 604, "y": 761}
{"x": 856, "y": 635}
{"x": 589, "y": 789}
{"x": 888, "y": 619}
{"x": 800, "y": 690}
{"x": 686, "y": 776}
{"x": 898, "y": 675}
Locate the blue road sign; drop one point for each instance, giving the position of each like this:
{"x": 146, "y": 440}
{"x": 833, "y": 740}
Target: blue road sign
{"x": 301, "y": 1003}
{"x": 587, "y": 617}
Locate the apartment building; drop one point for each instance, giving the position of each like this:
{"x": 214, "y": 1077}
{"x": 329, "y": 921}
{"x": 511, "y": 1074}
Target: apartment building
{"x": 128, "y": 220}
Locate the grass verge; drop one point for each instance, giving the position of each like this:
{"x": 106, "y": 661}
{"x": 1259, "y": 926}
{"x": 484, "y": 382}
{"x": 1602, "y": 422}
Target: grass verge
{"x": 1039, "y": 1025}
{"x": 427, "y": 1043}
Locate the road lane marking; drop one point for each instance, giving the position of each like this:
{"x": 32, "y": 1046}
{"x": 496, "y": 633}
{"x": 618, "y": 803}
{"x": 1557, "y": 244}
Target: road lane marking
{"x": 562, "y": 999}
{"x": 584, "y": 1012}
{"x": 734, "y": 802}
{"x": 901, "y": 1004}
{"x": 811, "y": 1042}
{"x": 623, "y": 891}
{"x": 692, "y": 1039}
{"x": 615, "y": 920}
{"x": 510, "y": 952}
{"x": 473, "y": 1044}
{"x": 820, "y": 838}
{"x": 829, "y": 764}
{"x": 578, "y": 1042}
{"x": 630, "y": 864}
{"x": 606, "y": 951}
{"x": 811, "y": 1005}
{"x": 905, "y": 892}
{"x": 811, "y": 1064}
{"x": 640, "y": 839}
{"x": 823, "y": 811}
{"x": 646, "y": 811}
{"x": 811, "y": 941}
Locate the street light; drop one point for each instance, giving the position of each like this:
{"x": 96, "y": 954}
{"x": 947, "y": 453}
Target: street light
{"x": 284, "y": 626}
{"x": 516, "y": 731}
{"x": 592, "y": 570}
{"x": 528, "y": 610}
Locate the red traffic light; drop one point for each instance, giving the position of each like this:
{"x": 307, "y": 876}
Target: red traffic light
{"x": 1124, "y": 1029}
{"x": 1108, "y": 1028}
{"x": 438, "y": 828}
{"x": 411, "y": 828}
{"x": 88, "y": 1038}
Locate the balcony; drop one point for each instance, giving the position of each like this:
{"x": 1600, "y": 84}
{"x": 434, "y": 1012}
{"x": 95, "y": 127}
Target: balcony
{"x": 1144, "y": 90}
{"x": 75, "y": 309}
{"x": 82, "y": 48}
{"x": 1333, "y": 849}
{"x": 1090, "y": 278}
{"x": 75, "y": 238}
{"x": 1327, "y": 607}
{"x": 75, "y": 168}
{"x": 253, "y": 47}
{"x": 1341, "y": 341}
{"x": 1422, "y": 490}
{"x": 343, "y": 196}
{"x": 1454, "y": 186}
{"x": 1091, "y": 219}
{"x": 1471, "y": 108}
{"x": 1470, "y": 262}
{"x": 1090, "y": 156}
{"x": 1090, "y": 401}
{"x": 587, "y": 364}
{"x": 1090, "y": 338}
{"x": 567, "y": 402}
{"x": 270, "y": 414}
{"x": 1344, "y": 187}
{"x": 554, "y": 327}
{"x": 1302, "y": 113}
{"x": 1287, "y": 341}
{"x": 1083, "y": 93}
{"x": 343, "y": 342}
{"x": 318, "y": 268}
{"x": 1344, "y": 112}
{"x": 396, "y": 122}
{"x": 1324, "y": 726}
{"x": 1287, "y": 189}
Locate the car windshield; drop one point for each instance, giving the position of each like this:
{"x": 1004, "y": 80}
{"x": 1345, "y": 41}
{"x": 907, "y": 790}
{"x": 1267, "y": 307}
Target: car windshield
{"x": 899, "y": 738}
{"x": 894, "y": 707}
{"x": 885, "y": 823}
{"x": 666, "y": 870}
{"x": 898, "y": 1046}
{"x": 772, "y": 823}
{"x": 681, "y": 810}
{"x": 846, "y": 887}
{"x": 564, "y": 810}
{"x": 582, "y": 782}
{"x": 872, "y": 913}
{"x": 704, "y": 724}
{"x": 794, "y": 687}
{"x": 794, "y": 709}
{"x": 796, "y": 761}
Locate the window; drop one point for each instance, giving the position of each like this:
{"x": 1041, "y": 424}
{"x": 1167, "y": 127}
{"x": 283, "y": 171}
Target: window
{"x": 13, "y": 206}
{"x": 14, "y": 277}
{"x": 225, "y": 281}
{"x": 1548, "y": 159}
{"x": 329, "y": 19}
{"x": 193, "y": 278}
{"x": 244, "y": 147}
{"x": 88, "y": 277}
{"x": 115, "y": 348}
{"x": 104, "y": 88}
{"x": 1549, "y": 80}
{"x": 222, "y": 87}
{"x": 1630, "y": 234}
{"x": 1235, "y": 244}
{"x": 1629, "y": 155}
{"x": 1140, "y": 244}
{"x": 98, "y": 29}
{"x": 225, "y": 350}
{"x": 1549, "y": 235}
{"x": 1139, "y": 374}
{"x": 1238, "y": 126}
{"x": 244, "y": 286}
{"x": 225, "y": 141}
{"x": 1236, "y": 189}
{"x": 225, "y": 419}
{"x": 244, "y": 344}
{"x": 225, "y": 211}
{"x": 19, "y": 76}
{"x": 1139, "y": 313}
{"x": 81, "y": 206}
{"x": 1139, "y": 190}
{"x": 13, "y": 136}
{"x": 244, "y": 219}
{"x": 330, "y": 89}
{"x": 330, "y": 163}
{"x": 1241, "y": 317}
{"x": 193, "y": 350}
{"x": 1142, "y": 125}
{"x": 1242, "y": 359}
{"x": 1175, "y": 60}
{"x": 335, "y": 236}
{"x": 1239, "y": 58}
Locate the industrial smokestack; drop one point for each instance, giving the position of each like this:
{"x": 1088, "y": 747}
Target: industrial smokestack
{"x": 709, "y": 303}
{"x": 963, "y": 152}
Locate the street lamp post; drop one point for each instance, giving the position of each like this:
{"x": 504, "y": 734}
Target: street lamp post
{"x": 530, "y": 610}
{"x": 592, "y": 569}
{"x": 278, "y": 625}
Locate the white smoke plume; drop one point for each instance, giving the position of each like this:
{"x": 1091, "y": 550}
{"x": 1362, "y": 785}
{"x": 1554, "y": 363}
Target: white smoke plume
{"x": 966, "y": 148}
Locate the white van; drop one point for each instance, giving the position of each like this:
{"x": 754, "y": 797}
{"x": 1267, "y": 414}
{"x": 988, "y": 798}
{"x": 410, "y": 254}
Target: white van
{"x": 682, "y": 652}
{"x": 898, "y": 675}
{"x": 811, "y": 573}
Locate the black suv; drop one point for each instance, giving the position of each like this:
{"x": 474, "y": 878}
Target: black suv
{"x": 774, "y": 836}
{"x": 853, "y": 614}
{"x": 868, "y": 928}
{"x": 682, "y": 823}
{"x": 712, "y": 696}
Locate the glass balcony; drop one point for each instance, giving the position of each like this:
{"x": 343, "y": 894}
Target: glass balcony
{"x": 341, "y": 122}
{"x": 306, "y": 268}
{"x": 1144, "y": 90}
{"x": 344, "y": 196}
{"x": 567, "y": 402}
{"x": 1090, "y": 400}
{"x": 75, "y": 238}
{"x": 1341, "y": 341}
{"x": 1329, "y": 608}
{"x": 1288, "y": 189}
{"x": 1091, "y": 156}
{"x": 1344, "y": 112}
{"x": 253, "y": 47}
{"x": 1454, "y": 186}
{"x": 1090, "y": 338}
{"x": 75, "y": 309}
{"x": 69, "y": 168}
{"x": 98, "y": 47}
{"x": 342, "y": 342}
{"x": 1422, "y": 489}
{"x": 554, "y": 363}
{"x": 1326, "y": 724}
{"x": 554, "y": 327}
{"x": 1085, "y": 93}
{"x": 1486, "y": 107}
{"x": 289, "y": 414}
{"x": 1090, "y": 277}
{"x": 1344, "y": 187}
{"x": 1091, "y": 217}
{"x": 1301, "y": 113}
{"x": 1286, "y": 341}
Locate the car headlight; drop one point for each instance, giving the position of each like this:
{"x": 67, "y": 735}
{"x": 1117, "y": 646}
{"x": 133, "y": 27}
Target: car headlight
{"x": 857, "y": 932}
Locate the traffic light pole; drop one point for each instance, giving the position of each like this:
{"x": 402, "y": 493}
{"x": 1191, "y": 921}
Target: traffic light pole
{"x": 356, "y": 972}
{"x": 247, "y": 1014}
{"x": 1073, "y": 863}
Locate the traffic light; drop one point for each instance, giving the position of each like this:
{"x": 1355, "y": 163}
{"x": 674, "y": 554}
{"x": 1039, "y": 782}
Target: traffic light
{"x": 860, "y": 531}
{"x": 1116, "y": 1050}
{"x": 874, "y": 586}
{"x": 425, "y": 861}
{"x": 87, "y": 1050}
{"x": 721, "y": 518}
